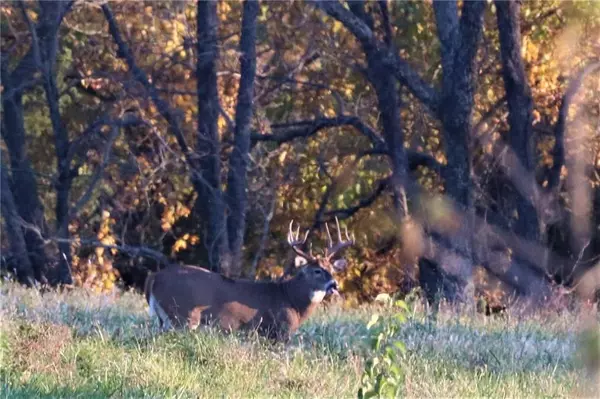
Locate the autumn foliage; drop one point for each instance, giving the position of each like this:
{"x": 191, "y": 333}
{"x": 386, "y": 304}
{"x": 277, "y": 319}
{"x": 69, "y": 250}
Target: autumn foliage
{"x": 132, "y": 163}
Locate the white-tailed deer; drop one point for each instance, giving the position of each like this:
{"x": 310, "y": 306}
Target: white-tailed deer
{"x": 187, "y": 296}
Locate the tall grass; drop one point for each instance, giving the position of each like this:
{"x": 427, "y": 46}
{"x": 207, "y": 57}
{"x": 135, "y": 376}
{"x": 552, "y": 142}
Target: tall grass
{"x": 79, "y": 344}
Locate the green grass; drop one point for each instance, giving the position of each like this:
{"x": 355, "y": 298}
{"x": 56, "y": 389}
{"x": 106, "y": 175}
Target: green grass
{"x": 83, "y": 345}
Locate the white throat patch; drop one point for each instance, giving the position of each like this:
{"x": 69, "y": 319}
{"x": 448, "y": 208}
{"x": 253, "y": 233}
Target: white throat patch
{"x": 317, "y": 296}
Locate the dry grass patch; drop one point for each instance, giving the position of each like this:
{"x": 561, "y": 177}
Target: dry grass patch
{"x": 38, "y": 348}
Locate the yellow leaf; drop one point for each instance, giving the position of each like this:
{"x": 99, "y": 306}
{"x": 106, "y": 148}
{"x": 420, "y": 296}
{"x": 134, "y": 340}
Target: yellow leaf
{"x": 179, "y": 245}
{"x": 337, "y": 25}
{"x": 282, "y": 157}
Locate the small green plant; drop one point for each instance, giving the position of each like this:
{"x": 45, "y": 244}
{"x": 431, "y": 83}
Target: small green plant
{"x": 383, "y": 376}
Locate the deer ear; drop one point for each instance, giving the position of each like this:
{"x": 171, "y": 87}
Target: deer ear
{"x": 340, "y": 265}
{"x": 300, "y": 261}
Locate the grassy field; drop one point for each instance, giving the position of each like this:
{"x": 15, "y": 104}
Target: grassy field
{"x": 82, "y": 345}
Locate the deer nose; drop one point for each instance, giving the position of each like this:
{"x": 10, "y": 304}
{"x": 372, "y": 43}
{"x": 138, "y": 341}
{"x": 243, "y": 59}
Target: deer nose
{"x": 332, "y": 288}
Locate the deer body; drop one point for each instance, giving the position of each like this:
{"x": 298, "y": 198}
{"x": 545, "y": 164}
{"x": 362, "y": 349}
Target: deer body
{"x": 188, "y": 296}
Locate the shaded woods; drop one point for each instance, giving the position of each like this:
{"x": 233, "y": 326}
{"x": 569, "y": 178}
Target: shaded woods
{"x": 459, "y": 141}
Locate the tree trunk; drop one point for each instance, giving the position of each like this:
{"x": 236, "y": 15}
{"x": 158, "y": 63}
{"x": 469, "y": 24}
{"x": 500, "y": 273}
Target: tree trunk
{"x": 49, "y": 44}
{"x": 446, "y": 18}
{"x": 237, "y": 198}
{"x": 23, "y": 269}
{"x": 24, "y": 183}
{"x": 457, "y": 93}
{"x": 459, "y": 42}
{"x": 520, "y": 137}
{"x": 207, "y": 176}
{"x": 520, "y": 109}
{"x": 389, "y": 105}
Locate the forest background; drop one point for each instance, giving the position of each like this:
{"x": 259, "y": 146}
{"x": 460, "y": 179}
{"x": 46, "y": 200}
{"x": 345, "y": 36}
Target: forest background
{"x": 458, "y": 140}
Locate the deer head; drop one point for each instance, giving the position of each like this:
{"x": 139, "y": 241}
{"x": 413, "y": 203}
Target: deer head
{"x": 328, "y": 260}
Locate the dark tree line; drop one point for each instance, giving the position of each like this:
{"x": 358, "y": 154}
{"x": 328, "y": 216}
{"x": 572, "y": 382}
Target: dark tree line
{"x": 517, "y": 251}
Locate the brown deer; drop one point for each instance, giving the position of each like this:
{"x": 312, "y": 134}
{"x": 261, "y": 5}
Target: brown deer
{"x": 187, "y": 296}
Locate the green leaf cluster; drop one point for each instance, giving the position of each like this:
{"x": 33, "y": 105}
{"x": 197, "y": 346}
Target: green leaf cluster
{"x": 383, "y": 375}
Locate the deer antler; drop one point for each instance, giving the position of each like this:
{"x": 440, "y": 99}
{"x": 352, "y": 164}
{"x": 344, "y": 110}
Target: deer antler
{"x": 332, "y": 249}
{"x": 294, "y": 240}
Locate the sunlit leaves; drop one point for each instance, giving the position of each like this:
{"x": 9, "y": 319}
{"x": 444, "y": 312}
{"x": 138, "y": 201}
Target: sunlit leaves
{"x": 95, "y": 270}
{"x": 183, "y": 242}
{"x": 308, "y": 66}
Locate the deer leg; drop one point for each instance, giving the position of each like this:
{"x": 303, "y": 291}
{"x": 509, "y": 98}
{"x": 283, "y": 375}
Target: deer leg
{"x": 156, "y": 310}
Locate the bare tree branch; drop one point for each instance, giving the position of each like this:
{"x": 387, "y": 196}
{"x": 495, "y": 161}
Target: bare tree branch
{"x": 35, "y": 43}
{"x": 340, "y": 110}
{"x": 76, "y": 147}
{"x": 230, "y": 123}
{"x": 162, "y": 106}
{"x": 416, "y": 159}
{"x": 358, "y": 8}
{"x": 485, "y": 118}
{"x": 345, "y": 213}
{"x": 558, "y": 152}
{"x": 325, "y": 198}
{"x": 314, "y": 126}
{"x": 387, "y": 27}
{"x": 309, "y": 128}
{"x": 354, "y": 24}
{"x": 446, "y": 17}
{"x": 132, "y": 251}
{"x": 409, "y": 78}
{"x": 116, "y": 128}
{"x": 403, "y": 72}
{"x": 268, "y": 216}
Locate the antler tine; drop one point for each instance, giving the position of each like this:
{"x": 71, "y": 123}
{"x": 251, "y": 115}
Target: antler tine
{"x": 342, "y": 243}
{"x": 294, "y": 240}
{"x": 329, "y": 239}
{"x": 353, "y": 239}
{"x": 290, "y": 237}
{"x": 295, "y": 235}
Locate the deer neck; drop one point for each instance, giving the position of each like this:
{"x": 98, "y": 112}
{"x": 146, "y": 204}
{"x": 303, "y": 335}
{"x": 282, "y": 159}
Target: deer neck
{"x": 300, "y": 298}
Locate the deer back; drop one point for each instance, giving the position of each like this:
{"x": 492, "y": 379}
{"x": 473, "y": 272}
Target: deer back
{"x": 190, "y": 296}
